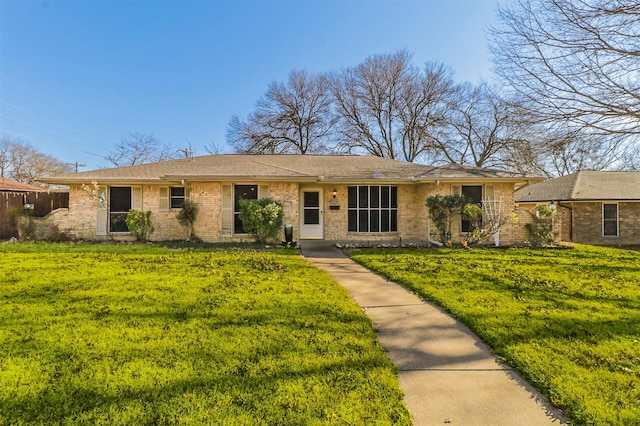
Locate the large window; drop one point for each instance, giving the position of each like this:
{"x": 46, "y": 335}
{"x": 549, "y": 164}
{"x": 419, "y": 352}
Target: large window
{"x": 119, "y": 206}
{"x": 610, "y": 220}
{"x": 373, "y": 208}
{"x": 473, "y": 193}
{"x": 242, "y": 192}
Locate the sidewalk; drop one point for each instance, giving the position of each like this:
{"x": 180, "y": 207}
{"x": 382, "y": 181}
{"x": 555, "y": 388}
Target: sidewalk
{"x": 446, "y": 372}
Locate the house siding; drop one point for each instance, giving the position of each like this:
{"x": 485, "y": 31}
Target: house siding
{"x": 587, "y": 223}
{"x": 510, "y": 233}
{"x": 413, "y": 223}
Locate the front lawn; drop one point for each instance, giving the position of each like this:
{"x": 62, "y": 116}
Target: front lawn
{"x": 109, "y": 334}
{"x": 567, "y": 320}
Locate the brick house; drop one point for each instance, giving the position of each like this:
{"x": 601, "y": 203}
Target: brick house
{"x": 594, "y": 207}
{"x": 336, "y": 198}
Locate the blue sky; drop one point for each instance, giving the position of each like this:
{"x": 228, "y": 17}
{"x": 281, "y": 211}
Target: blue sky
{"x": 77, "y": 76}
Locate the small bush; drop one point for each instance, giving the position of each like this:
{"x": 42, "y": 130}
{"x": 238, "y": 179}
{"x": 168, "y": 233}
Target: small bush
{"x": 56, "y": 235}
{"x": 139, "y": 224}
{"x": 261, "y": 218}
{"x": 187, "y": 217}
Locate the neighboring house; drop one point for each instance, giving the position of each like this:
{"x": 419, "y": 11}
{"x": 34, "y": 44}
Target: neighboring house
{"x": 593, "y": 207}
{"x": 21, "y": 197}
{"x": 337, "y": 198}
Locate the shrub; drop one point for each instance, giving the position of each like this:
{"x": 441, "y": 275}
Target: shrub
{"x": 261, "y": 218}
{"x": 442, "y": 208}
{"x": 187, "y": 217}
{"x": 139, "y": 224}
{"x": 541, "y": 231}
{"x": 56, "y": 235}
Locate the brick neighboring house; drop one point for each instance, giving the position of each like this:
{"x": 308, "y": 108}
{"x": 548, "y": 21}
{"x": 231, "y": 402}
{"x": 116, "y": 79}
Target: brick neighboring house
{"x": 337, "y": 198}
{"x": 601, "y": 208}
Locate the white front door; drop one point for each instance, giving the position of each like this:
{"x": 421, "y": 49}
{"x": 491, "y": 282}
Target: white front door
{"x": 311, "y": 213}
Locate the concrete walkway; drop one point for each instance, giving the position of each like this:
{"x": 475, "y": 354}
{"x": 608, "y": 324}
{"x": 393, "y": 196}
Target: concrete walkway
{"x": 446, "y": 372}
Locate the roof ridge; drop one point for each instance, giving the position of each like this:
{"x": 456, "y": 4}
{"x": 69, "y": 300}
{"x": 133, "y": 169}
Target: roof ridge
{"x": 575, "y": 184}
{"x": 279, "y": 167}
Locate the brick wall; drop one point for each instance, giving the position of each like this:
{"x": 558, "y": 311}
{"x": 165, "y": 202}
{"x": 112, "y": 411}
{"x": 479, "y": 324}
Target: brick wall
{"x": 413, "y": 222}
{"x": 587, "y": 224}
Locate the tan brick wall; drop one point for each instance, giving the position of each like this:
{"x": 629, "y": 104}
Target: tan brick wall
{"x": 335, "y": 221}
{"x": 587, "y": 224}
{"x": 287, "y": 194}
{"x": 509, "y": 233}
{"x": 527, "y": 214}
{"x": 411, "y": 216}
{"x": 413, "y": 223}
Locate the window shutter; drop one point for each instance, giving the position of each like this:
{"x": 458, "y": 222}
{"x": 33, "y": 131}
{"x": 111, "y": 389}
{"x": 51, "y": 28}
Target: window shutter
{"x": 227, "y": 211}
{"x": 456, "y": 190}
{"x": 136, "y": 197}
{"x": 489, "y": 193}
{"x": 101, "y": 220}
{"x": 164, "y": 198}
{"x": 263, "y": 191}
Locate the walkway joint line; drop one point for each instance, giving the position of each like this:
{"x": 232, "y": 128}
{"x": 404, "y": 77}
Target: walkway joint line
{"x": 392, "y": 306}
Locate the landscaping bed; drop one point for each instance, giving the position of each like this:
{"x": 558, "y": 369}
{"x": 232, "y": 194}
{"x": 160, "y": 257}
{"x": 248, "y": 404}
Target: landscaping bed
{"x": 141, "y": 334}
{"x": 567, "y": 320}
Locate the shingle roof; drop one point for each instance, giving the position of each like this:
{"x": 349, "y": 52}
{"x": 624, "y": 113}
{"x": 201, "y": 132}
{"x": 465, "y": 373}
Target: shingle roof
{"x": 283, "y": 167}
{"x": 584, "y": 186}
{"x": 8, "y": 185}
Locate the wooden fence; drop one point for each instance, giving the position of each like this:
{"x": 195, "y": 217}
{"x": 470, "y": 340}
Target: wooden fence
{"x": 42, "y": 204}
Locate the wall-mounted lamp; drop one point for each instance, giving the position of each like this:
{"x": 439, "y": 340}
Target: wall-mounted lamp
{"x": 102, "y": 197}
{"x": 334, "y": 204}
{"x": 552, "y": 205}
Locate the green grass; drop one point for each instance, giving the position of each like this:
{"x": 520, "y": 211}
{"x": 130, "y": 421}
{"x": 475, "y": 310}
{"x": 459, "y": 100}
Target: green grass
{"x": 141, "y": 334}
{"x": 567, "y": 320}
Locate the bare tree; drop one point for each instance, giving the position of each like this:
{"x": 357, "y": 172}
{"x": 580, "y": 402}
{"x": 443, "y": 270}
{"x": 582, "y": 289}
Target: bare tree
{"x": 560, "y": 150}
{"x": 479, "y": 130}
{"x": 22, "y": 162}
{"x": 214, "y": 148}
{"x": 5, "y": 155}
{"x": 573, "y": 61}
{"x": 291, "y": 118}
{"x": 389, "y": 108}
{"x": 140, "y": 148}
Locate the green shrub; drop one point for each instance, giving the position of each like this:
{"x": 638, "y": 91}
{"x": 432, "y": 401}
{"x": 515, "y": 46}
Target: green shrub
{"x": 187, "y": 217}
{"x": 261, "y": 218}
{"x": 442, "y": 209}
{"x": 541, "y": 231}
{"x": 139, "y": 224}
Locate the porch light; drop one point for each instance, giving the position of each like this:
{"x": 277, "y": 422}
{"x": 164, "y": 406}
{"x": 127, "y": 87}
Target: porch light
{"x": 334, "y": 193}
{"x": 552, "y": 205}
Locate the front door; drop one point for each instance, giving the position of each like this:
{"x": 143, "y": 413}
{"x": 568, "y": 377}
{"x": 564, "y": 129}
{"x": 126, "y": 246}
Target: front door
{"x": 311, "y": 213}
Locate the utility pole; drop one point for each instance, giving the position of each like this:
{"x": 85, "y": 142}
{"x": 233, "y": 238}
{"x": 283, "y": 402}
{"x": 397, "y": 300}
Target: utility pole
{"x": 76, "y": 165}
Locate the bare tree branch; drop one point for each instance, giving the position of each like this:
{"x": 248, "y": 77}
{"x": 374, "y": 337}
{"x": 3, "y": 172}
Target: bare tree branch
{"x": 140, "y": 148}
{"x": 291, "y": 118}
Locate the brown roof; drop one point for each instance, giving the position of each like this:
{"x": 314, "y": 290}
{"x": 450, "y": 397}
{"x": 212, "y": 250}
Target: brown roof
{"x": 331, "y": 168}
{"x": 8, "y": 185}
{"x": 584, "y": 186}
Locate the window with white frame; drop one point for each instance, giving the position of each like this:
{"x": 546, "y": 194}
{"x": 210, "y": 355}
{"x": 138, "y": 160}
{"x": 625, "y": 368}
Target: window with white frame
{"x": 372, "y": 208}
{"x": 242, "y": 192}
{"x": 172, "y": 197}
{"x": 610, "y": 220}
{"x": 119, "y": 206}
{"x": 176, "y": 197}
{"x": 474, "y": 194}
